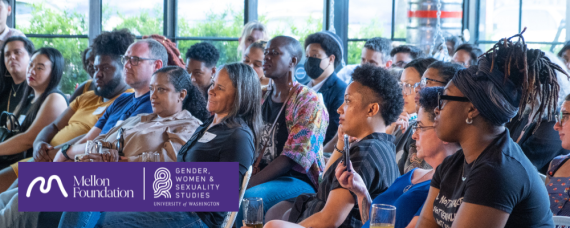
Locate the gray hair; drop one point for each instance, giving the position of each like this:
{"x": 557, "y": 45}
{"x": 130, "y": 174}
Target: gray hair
{"x": 381, "y": 45}
{"x": 156, "y": 50}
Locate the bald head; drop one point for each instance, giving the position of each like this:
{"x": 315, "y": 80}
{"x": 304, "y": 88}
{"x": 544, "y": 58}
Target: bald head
{"x": 289, "y": 44}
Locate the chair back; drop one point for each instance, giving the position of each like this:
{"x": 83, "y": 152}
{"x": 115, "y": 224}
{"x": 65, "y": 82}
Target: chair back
{"x": 231, "y": 217}
{"x": 561, "y": 221}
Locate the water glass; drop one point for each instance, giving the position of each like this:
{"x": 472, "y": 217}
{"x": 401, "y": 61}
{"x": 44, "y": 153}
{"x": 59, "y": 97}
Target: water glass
{"x": 383, "y": 215}
{"x": 253, "y": 212}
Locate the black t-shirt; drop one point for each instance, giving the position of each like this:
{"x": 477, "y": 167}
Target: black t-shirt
{"x": 373, "y": 158}
{"x": 501, "y": 177}
{"x": 275, "y": 140}
{"x": 230, "y": 144}
{"x": 8, "y": 94}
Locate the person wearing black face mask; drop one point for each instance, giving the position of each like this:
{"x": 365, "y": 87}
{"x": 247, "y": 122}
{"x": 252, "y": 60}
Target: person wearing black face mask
{"x": 324, "y": 53}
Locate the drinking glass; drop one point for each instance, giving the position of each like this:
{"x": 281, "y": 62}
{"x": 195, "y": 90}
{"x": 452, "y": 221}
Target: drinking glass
{"x": 253, "y": 212}
{"x": 383, "y": 215}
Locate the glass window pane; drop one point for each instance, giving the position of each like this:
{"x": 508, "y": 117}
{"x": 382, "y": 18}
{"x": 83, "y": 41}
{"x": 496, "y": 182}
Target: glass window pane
{"x": 220, "y": 18}
{"x": 369, "y": 18}
{"x": 354, "y": 51}
{"x": 288, "y": 18}
{"x": 401, "y": 19}
{"x": 544, "y": 19}
{"x": 62, "y": 17}
{"x": 142, "y": 17}
{"x": 71, "y": 49}
{"x": 227, "y": 49}
{"x": 498, "y": 19}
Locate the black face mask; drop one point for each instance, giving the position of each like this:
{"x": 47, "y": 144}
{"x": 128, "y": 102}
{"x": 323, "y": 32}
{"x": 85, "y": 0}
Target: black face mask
{"x": 313, "y": 67}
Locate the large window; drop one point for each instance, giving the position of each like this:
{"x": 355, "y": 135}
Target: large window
{"x": 217, "y": 22}
{"x": 544, "y": 20}
{"x": 295, "y": 18}
{"x": 142, "y": 17}
{"x": 61, "y": 24}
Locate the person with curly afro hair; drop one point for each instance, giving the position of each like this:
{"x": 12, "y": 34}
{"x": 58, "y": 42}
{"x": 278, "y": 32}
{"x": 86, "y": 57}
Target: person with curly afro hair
{"x": 324, "y": 54}
{"x": 201, "y": 59}
{"x": 371, "y": 102}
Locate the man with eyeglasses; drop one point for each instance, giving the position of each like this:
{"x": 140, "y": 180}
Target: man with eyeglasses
{"x": 140, "y": 61}
{"x": 404, "y": 54}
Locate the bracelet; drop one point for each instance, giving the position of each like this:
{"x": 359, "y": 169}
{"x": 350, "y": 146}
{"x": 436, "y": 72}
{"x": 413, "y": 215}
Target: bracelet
{"x": 340, "y": 151}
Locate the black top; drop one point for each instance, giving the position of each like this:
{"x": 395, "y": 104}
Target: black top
{"x": 8, "y": 94}
{"x": 540, "y": 147}
{"x": 333, "y": 95}
{"x": 501, "y": 177}
{"x": 230, "y": 144}
{"x": 276, "y": 141}
{"x": 373, "y": 158}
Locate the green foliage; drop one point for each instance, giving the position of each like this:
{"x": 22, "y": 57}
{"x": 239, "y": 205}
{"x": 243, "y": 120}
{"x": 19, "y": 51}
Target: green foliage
{"x": 48, "y": 21}
{"x": 146, "y": 23}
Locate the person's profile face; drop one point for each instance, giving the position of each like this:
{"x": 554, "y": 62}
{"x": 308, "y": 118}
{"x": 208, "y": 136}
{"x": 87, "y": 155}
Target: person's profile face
{"x": 371, "y": 57}
{"x": 450, "y": 119}
{"x": 221, "y": 94}
{"x": 138, "y": 74}
{"x": 564, "y": 128}
{"x": 105, "y": 72}
{"x": 427, "y": 142}
{"x": 277, "y": 60}
{"x": 39, "y": 71}
{"x": 200, "y": 75}
{"x": 401, "y": 59}
{"x": 353, "y": 111}
{"x": 164, "y": 99}
{"x": 462, "y": 57}
{"x": 410, "y": 76}
{"x": 566, "y": 59}
{"x": 253, "y": 57}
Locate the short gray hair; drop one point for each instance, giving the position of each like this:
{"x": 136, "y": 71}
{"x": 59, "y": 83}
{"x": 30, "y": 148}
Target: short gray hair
{"x": 156, "y": 51}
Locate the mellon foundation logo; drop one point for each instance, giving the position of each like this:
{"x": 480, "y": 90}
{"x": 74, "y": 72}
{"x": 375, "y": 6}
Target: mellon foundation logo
{"x": 45, "y": 190}
{"x": 162, "y": 183}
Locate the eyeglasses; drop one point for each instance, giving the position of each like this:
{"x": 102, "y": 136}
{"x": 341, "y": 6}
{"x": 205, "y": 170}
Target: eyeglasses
{"x": 408, "y": 88}
{"x": 441, "y": 98}
{"x": 133, "y": 60}
{"x": 421, "y": 128}
{"x": 562, "y": 117}
{"x": 424, "y": 81}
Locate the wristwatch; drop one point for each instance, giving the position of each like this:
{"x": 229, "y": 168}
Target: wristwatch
{"x": 64, "y": 150}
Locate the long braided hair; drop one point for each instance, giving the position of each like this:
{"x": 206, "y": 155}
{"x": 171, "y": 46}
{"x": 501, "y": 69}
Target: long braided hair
{"x": 532, "y": 72}
{"x": 173, "y": 52}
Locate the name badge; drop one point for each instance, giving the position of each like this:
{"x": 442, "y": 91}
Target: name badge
{"x": 207, "y": 137}
{"x": 99, "y": 110}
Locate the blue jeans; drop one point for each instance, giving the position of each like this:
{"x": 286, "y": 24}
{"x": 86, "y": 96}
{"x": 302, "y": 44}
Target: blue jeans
{"x": 275, "y": 191}
{"x": 131, "y": 219}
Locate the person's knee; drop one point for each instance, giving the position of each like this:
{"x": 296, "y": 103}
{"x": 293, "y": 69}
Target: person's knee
{"x": 7, "y": 177}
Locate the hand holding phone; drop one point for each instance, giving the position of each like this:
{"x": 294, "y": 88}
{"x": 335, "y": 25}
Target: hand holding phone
{"x": 347, "y": 153}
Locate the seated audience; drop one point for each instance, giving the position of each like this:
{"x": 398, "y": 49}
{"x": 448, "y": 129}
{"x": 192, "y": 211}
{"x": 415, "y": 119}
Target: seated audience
{"x": 372, "y": 101}
{"x": 490, "y": 182}
{"x": 252, "y": 32}
{"x": 557, "y": 177}
{"x": 234, "y": 100}
{"x": 41, "y": 103}
{"x": 83, "y": 113}
{"x": 88, "y": 59}
{"x": 408, "y": 193}
{"x": 140, "y": 61}
{"x": 201, "y": 59}
{"x": 404, "y": 54}
{"x": 376, "y": 51}
{"x": 324, "y": 54}
{"x": 14, "y": 61}
{"x": 253, "y": 57}
{"x": 177, "y": 105}
{"x": 466, "y": 55}
{"x": 452, "y": 42}
{"x": 290, "y": 152}
{"x": 411, "y": 78}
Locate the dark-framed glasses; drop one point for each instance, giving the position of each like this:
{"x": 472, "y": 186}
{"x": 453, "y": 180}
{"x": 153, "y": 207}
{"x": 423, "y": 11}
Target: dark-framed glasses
{"x": 421, "y": 128}
{"x": 424, "y": 81}
{"x": 133, "y": 60}
{"x": 441, "y": 98}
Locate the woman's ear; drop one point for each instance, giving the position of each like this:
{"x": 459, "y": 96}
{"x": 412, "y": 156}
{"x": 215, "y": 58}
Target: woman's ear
{"x": 373, "y": 109}
{"x": 473, "y": 112}
{"x": 183, "y": 94}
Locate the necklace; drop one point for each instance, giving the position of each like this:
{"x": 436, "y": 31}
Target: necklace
{"x": 15, "y": 91}
{"x": 419, "y": 181}
{"x": 463, "y": 178}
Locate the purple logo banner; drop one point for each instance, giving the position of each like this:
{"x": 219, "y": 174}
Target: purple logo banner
{"x": 128, "y": 186}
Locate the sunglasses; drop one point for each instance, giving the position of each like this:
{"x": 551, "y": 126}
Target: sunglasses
{"x": 441, "y": 98}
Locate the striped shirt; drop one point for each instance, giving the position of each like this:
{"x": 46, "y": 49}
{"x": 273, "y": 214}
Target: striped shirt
{"x": 373, "y": 158}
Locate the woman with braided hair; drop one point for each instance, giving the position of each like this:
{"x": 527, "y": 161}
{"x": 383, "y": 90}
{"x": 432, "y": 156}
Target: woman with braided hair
{"x": 173, "y": 52}
{"x": 490, "y": 182}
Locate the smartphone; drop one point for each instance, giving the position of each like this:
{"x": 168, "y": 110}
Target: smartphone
{"x": 347, "y": 153}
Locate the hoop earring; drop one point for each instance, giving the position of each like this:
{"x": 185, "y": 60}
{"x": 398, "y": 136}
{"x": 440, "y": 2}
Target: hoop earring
{"x": 469, "y": 121}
